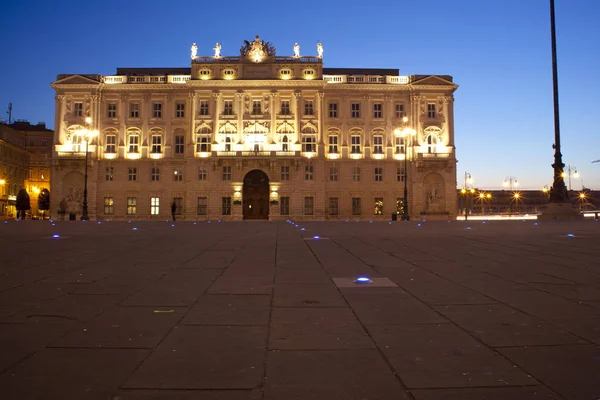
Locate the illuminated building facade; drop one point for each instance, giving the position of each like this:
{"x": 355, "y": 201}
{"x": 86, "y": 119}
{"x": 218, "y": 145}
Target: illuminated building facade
{"x": 14, "y": 165}
{"x": 256, "y": 136}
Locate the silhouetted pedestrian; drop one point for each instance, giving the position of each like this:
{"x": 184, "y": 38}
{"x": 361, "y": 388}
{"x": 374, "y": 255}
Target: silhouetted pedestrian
{"x": 173, "y": 208}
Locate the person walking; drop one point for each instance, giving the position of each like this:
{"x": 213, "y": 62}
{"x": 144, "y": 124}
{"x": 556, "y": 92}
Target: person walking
{"x": 173, "y": 208}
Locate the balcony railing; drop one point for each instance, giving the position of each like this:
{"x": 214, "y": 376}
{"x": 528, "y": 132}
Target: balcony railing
{"x": 433, "y": 155}
{"x": 237, "y": 59}
{"x": 110, "y": 80}
{"x": 397, "y": 80}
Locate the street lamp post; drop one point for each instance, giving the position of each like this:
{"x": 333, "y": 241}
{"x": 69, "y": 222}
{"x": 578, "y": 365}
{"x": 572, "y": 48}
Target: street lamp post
{"x": 465, "y": 191}
{"x": 87, "y": 134}
{"x": 569, "y": 171}
{"x": 510, "y": 182}
{"x": 407, "y": 134}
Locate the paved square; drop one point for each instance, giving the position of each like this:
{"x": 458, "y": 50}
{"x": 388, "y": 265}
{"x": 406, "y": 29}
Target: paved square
{"x": 262, "y": 311}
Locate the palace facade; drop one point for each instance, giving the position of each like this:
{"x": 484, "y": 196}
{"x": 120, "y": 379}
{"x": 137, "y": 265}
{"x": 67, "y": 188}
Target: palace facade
{"x": 255, "y": 136}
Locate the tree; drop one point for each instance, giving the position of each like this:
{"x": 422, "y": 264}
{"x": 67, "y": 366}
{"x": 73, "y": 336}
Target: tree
{"x": 22, "y": 203}
{"x": 44, "y": 202}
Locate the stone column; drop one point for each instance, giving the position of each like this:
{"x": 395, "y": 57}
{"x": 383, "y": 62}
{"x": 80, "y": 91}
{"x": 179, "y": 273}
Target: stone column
{"x": 122, "y": 138}
{"x": 216, "y": 103}
{"x": 59, "y": 112}
{"x": 273, "y": 130}
{"x": 240, "y": 120}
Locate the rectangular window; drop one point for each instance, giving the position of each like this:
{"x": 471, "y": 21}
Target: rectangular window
{"x": 156, "y": 144}
{"x": 226, "y": 176}
{"x": 333, "y": 144}
{"x": 154, "y": 205}
{"x": 78, "y": 109}
{"x": 134, "y": 110}
{"x": 377, "y": 144}
{"x": 400, "y": 174}
{"x": 256, "y": 107}
{"x": 333, "y": 110}
{"x": 400, "y": 111}
{"x": 399, "y": 145}
{"x": 157, "y": 110}
{"x": 355, "y": 108}
{"x": 309, "y": 107}
{"x": 285, "y": 173}
{"x": 378, "y": 174}
{"x": 203, "y": 143}
{"x": 155, "y": 174}
{"x": 333, "y": 174}
{"x": 431, "y": 110}
{"x": 308, "y": 173}
{"x": 309, "y": 205}
{"x": 111, "y": 144}
{"x": 202, "y": 174}
{"x": 134, "y": 144}
{"x": 285, "y": 107}
{"x": 356, "y": 206}
{"x": 284, "y": 206}
{"x": 132, "y": 175}
{"x": 178, "y": 174}
{"x": 111, "y": 110}
{"x": 309, "y": 143}
{"x": 228, "y": 107}
{"x": 226, "y": 206}
{"x": 178, "y": 205}
{"x": 131, "y": 206}
{"x": 179, "y": 110}
{"x": 333, "y": 206}
{"x": 201, "y": 205}
{"x": 204, "y": 107}
{"x": 356, "y": 174}
{"x": 355, "y": 144}
{"x": 378, "y": 110}
{"x": 378, "y": 206}
{"x": 109, "y": 173}
{"x": 179, "y": 144}
{"x": 44, "y": 143}
{"x": 109, "y": 206}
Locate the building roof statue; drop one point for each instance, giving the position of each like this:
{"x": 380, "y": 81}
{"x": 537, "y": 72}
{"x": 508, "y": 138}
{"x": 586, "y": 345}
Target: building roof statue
{"x": 217, "y": 50}
{"x": 194, "y": 50}
{"x": 296, "y": 50}
{"x": 320, "y": 49}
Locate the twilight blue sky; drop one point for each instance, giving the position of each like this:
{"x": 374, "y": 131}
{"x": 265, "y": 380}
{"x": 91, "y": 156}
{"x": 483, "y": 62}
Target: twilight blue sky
{"x": 498, "y": 51}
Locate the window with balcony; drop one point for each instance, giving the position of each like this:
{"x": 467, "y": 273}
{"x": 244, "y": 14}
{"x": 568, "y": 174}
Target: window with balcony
{"x": 228, "y": 143}
{"x": 355, "y": 144}
{"x": 377, "y": 144}
{"x": 285, "y": 143}
{"x": 156, "y": 147}
{"x": 203, "y": 140}
{"x": 134, "y": 143}
{"x": 111, "y": 110}
{"x": 333, "y": 144}
{"x": 399, "y": 146}
{"x": 377, "y": 110}
{"x": 179, "y": 144}
{"x": 355, "y": 110}
{"x": 111, "y": 144}
{"x": 309, "y": 140}
{"x": 432, "y": 142}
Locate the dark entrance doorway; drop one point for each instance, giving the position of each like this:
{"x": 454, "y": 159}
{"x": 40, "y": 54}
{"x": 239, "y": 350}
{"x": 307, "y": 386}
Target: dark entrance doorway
{"x": 255, "y": 195}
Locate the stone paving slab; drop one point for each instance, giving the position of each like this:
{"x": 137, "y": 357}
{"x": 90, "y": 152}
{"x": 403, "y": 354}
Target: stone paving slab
{"x": 251, "y": 311}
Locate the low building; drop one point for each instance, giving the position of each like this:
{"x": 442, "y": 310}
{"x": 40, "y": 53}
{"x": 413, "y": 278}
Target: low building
{"x": 14, "y": 164}
{"x": 255, "y": 136}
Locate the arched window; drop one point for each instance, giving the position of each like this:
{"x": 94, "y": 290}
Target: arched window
{"x": 133, "y": 141}
{"x": 203, "y": 140}
{"x": 284, "y": 143}
{"x": 156, "y": 140}
{"x": 355, "y": 141}
{"x": 110, "y": 141}
{"x": 309, "y": 140}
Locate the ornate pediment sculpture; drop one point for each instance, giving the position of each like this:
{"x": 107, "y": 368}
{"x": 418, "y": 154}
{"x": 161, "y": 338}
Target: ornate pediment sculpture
{"x": 257, "y": 50}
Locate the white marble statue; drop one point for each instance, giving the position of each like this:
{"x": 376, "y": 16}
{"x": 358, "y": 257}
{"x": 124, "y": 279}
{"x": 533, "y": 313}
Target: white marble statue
{"x": 320, "y": 49}
{"x": 194, "y": 50}
{"x": 217, "y": 50}
{"x": 296, "y": 50}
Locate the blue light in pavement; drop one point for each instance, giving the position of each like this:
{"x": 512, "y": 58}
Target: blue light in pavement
{"x": 483, "y": 222}
{"x": 316, "y": 237}
{"x": 55, "y": 236}
{"x": 535, "y": 223}
{"x": 135, "y": 229}
{"x": 303, "y": 229}
{"x": 172, "y": 224}
{"x": 468, "y": 228}
{"x": 362, "y": 280}
{"x": 53, "y": 224}
{"x": 99, "y": 222}
{"x": 418, "y": 224}
{"x": 570, "y": 235}
{"x": 370, "y": 222}
{"x": 389, "y": 223}
{"x": 194, "y": 223}
{"x": 209, "y": 222}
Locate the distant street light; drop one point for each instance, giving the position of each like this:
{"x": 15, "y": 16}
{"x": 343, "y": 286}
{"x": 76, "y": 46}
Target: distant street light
{"x": 568, "y": 172}
{"x": 87, "y": 134}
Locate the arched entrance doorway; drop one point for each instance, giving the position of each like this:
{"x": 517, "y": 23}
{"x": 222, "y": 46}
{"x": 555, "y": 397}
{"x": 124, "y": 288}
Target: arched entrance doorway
{"x": 255, "y": 195}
